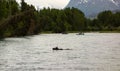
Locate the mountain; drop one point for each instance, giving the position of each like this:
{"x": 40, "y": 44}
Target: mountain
{"x": 93, "y": 7}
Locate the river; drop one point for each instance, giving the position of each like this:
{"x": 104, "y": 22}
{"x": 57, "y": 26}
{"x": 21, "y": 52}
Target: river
{"x": 89, "y": 52}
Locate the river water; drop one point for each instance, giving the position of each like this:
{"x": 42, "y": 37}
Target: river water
{"x": 89, "y": 52}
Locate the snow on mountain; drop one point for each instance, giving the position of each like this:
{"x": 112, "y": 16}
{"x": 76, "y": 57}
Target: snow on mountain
{"x": 117, "y": 2}
{"x": 92, "y": 7}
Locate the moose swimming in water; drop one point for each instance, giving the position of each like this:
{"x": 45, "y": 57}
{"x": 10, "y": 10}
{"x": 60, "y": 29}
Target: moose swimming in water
{"x": 56, "y": 48}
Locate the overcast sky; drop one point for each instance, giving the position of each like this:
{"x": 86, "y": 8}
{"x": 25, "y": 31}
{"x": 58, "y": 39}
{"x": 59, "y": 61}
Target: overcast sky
{"x": 48, "y": 3}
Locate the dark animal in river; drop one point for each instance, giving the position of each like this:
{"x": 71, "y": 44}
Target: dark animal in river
{"x": 56, "y": 48}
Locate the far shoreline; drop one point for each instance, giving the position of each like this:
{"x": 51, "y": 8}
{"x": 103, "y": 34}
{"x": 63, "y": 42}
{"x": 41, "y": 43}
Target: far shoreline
{"x": 50, "y": 32}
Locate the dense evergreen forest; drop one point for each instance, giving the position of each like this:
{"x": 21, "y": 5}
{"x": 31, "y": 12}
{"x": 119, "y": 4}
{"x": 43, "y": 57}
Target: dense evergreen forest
{"x": 21, "y": 20}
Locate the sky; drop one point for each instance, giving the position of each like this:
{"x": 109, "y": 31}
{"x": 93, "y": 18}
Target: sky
{"x": 59, "y": 4}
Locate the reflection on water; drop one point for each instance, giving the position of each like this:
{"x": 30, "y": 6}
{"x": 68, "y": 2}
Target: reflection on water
{"x": 90, "y": 52}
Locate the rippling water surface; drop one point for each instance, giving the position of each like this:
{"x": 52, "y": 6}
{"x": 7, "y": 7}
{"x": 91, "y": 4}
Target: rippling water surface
{"x": 90, "y": 52}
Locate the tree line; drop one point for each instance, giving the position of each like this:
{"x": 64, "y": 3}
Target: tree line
{"x": 21, "y": 20}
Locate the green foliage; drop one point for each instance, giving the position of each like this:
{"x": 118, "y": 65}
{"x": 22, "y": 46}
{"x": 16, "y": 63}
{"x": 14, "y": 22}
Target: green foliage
{"x": 24, "y": 20}
{"x": 3, "y": 9}
{"x": 13, "y": 7}
{"x": 108, "y": 20}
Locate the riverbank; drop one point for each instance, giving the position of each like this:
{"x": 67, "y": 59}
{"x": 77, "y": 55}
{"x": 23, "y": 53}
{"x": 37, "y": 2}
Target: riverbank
{"x": 50, "y": 32}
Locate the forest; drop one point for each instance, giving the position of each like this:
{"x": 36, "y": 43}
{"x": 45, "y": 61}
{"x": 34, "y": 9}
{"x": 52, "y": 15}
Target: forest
{"x": 24, "y": 19}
